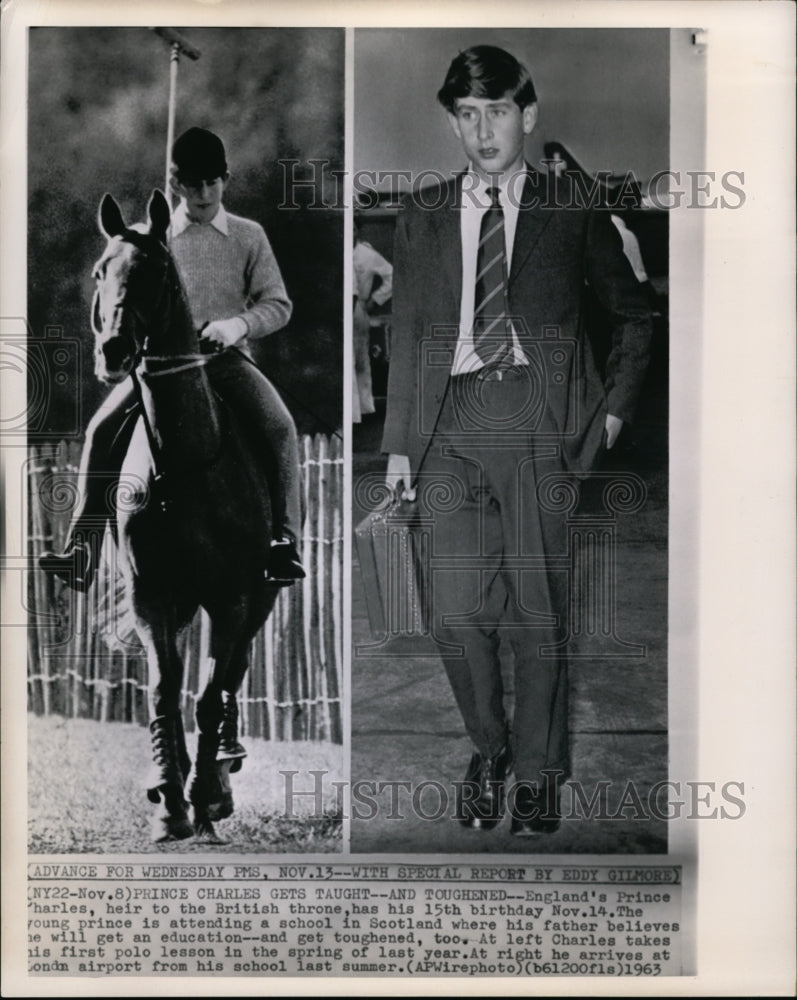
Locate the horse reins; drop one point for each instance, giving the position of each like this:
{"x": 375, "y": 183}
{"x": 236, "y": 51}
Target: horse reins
{"x": 193, "y": 361}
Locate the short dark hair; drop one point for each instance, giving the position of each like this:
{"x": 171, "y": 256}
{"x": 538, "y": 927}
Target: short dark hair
{"x": 488, "y": 72}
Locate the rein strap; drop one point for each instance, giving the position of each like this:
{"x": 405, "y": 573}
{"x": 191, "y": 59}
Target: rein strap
{"x": 192, "y": 361}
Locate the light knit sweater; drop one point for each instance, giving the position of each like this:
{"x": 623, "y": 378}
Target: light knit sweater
{"x": 230, "y": 273}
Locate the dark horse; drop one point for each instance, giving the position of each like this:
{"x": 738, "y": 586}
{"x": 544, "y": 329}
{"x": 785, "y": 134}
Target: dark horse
{"x": 194, "y": 534}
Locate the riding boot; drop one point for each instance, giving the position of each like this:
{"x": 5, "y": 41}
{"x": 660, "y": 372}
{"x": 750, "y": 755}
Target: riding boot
{"x": 229, "y": 747}
{"x": 169, "y": 755}
{"x": 165, "y": 784}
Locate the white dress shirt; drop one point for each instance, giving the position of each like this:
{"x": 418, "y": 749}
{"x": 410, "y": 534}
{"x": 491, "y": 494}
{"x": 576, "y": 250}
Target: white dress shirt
{"x": 475, "y": 202}
{"x": 181, "y": 222}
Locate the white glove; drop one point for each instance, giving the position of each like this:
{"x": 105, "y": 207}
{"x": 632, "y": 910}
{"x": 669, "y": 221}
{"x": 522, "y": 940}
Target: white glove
{"x": 225, "y": 332}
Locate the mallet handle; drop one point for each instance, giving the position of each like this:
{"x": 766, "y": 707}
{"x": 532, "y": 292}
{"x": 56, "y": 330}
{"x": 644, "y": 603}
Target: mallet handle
{"x": 177, "y": 43}
{"x": 173, "y": 62}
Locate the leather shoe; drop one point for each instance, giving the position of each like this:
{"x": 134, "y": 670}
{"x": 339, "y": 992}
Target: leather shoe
{"x": 75, "y": 567}
{"x": 534, "y": 811}
{"x": 284, "y": 564}
{"x": 480, "y": 804}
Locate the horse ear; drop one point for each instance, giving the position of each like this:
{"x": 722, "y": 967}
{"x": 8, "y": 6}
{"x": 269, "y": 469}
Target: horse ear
{"x": 110, "y": 217}
{"x": 159, "y": 215}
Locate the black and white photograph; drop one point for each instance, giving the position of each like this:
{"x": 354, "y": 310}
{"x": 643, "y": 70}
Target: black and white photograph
{"x": 519, "y": 406}
{"x": 185, "y": 437}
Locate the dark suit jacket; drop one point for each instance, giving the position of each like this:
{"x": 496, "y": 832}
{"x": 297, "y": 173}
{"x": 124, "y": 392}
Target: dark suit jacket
{"x": 557, "y": 251}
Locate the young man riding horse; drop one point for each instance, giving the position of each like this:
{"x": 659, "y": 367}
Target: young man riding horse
{"x": 235, "y": 293}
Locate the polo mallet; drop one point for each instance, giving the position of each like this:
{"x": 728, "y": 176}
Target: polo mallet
{"x": 178, "y": 44}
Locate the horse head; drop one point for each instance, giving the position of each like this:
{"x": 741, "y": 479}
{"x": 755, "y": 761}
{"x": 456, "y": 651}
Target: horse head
{"x": 133, "y": 276}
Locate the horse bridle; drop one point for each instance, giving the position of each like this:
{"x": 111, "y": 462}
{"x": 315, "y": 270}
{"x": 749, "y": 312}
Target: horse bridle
{"x": 191, "y": 360}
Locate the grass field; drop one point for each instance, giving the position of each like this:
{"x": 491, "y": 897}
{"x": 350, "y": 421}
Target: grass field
{"x": 86, "y": 793}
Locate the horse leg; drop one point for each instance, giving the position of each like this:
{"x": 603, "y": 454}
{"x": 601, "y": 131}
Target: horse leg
{"x": 230, "y": 749}
{"x": 231, "y": 752}
{"x": 170, "y": 760}
{"x": 210, "y": 792}
{"x": 207, "y": 793}
{"x": 220, "y": 753}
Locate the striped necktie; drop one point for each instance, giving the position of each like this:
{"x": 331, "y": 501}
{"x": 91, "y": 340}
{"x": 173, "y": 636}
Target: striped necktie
{"x": 492, "y": 338}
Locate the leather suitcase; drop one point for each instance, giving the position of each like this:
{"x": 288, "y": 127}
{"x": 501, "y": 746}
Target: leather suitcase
{"x": 394, "y": 549}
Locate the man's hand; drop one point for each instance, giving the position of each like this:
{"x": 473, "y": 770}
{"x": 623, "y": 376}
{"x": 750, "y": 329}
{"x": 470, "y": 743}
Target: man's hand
{"x": 398, "y": 476}
{"x": 225, "y": 332}
{"x": 613, "y": 427}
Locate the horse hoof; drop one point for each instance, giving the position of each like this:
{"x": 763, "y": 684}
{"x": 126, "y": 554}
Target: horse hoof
{"x": 166, "y": 828}
{"x": 204, "y": 832}
{"x": 170, "y": 821}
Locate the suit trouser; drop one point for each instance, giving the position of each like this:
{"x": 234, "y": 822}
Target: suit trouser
{"x": 253, "y": 399}
{"x": 499, "y": 534}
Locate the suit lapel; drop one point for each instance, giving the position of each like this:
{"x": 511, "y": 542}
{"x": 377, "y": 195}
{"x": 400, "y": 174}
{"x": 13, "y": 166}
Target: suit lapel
{"x": 445, "y": 229}
{"x": 531, "y": 222}
{"x": 446, "y": 225}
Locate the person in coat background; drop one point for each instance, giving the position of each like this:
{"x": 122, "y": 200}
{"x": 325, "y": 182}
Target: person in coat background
{"x": 373, "y": 286}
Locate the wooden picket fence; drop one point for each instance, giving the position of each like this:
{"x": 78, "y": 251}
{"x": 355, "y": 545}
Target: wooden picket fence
{"x": 84, "y": 661}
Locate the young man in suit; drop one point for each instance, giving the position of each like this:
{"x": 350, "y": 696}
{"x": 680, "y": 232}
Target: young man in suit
{"x": 493, "y": 392}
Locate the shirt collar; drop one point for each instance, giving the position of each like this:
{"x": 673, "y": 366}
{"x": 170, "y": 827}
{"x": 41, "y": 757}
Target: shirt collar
{"x": 511, "y": 187}
{"x": 181, "y": 222}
